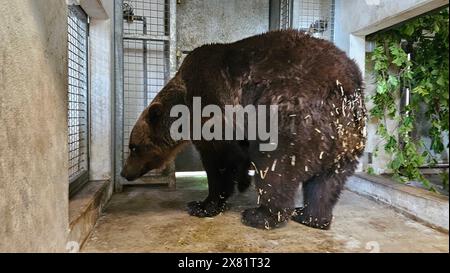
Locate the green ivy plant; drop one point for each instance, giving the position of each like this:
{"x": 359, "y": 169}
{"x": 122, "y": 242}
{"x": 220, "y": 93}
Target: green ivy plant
{"x": 414, "y": 55}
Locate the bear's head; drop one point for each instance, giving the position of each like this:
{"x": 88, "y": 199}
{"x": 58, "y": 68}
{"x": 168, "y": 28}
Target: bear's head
{"x": 151, "y": 146}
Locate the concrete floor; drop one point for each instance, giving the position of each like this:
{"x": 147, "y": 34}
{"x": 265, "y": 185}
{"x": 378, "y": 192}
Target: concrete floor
{"x": 153, "y": 219}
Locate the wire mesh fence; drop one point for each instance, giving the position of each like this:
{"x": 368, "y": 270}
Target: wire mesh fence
{"x": 156, "y": 14}
{"x": 78, "y": 92}
{"x": 315, "y": 17}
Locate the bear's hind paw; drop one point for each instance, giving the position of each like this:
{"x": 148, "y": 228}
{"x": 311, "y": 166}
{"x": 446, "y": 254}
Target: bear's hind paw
{"x": 303, "y": 217}
{"x": 262, "y": 218}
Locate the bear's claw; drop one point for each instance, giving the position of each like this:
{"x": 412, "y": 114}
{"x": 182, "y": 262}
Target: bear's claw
{"x": 206, "y": 208}
{"x": 261, "y": 218}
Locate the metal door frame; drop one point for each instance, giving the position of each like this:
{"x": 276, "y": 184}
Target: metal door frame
{"x": 281, "y": 14}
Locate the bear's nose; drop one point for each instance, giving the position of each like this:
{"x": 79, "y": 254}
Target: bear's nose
{"x": 127, "y": 176}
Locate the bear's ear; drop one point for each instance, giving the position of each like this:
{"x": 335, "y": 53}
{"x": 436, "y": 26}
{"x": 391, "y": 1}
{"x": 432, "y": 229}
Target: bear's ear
{"x": 154, "y": 112}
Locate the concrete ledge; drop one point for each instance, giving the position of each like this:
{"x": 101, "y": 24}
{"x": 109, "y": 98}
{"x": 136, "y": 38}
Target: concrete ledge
{"x": 94, "y": 8}
{"x": 84, "y": 210}
{"x": 427, "y": 207}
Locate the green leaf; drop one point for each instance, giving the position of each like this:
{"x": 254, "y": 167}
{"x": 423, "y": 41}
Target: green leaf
{"x": 409, "y": 29}
{"x": 391, "y": 144}
{"x": 398, "y": 61}
{"x": 382, "y": 87}
{"x": 436, "y": 28}
{"x": 421, "y": 91}
{"x": 396, "y": 163}
{"x": 441, "y": 81}
{"x": 393, "y": 81}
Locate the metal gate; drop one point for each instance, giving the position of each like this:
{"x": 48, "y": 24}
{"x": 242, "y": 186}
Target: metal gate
{"x": 146, "y": 49}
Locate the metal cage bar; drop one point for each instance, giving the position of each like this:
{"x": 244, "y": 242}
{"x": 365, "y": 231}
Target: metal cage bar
{"x": 285, "y": 14}
{"x": 78, "y": 104}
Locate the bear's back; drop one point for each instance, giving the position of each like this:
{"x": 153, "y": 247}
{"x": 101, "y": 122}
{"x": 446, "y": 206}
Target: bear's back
{"x": 274, "y": 56}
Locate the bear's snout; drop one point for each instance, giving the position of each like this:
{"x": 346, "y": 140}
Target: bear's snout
{"x": 124, "y": 174}
{"x": 128, "y": 175}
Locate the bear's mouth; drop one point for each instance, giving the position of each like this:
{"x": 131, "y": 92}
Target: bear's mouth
{"x": 131, "y": 179}
{"x": 128, "y": 177}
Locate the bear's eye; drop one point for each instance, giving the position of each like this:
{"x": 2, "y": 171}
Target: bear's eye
{"x": 133, "y": 148}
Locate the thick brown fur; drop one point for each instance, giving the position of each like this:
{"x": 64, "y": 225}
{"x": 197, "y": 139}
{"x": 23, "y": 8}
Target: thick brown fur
{"x": 321, "y": 123}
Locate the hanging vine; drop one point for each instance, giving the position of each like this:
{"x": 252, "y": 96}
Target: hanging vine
{"x": 413, "y": 56}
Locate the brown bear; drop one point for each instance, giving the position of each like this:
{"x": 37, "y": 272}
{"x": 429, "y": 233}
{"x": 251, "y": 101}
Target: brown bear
{"x": 321, "y": 133}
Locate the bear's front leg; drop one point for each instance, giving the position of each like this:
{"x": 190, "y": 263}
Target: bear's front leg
{"x": 276, "y": 191}
{"x": 206, "y": 208}
{"x": 216, "y": 202}
{"x": 220, "y": 184}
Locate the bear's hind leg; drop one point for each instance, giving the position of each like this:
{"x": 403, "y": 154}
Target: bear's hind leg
{"x": 276, "y": 190}
{"x": 320, "y": 194}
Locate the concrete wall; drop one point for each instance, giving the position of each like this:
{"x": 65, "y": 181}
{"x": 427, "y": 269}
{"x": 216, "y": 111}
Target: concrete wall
{"x": 218, "y": 21}
{"x": 101, "y": 90}
{"x": 354, "y": 20}
{"x": 33, "y": 116}
{"x": 33, "y": 122}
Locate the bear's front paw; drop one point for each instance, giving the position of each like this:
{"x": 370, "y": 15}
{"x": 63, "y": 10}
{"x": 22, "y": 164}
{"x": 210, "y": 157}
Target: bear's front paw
{"x": 262, "y": 218}
{"x": 206, "y": 208}
{"x": 304, "y": 217}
